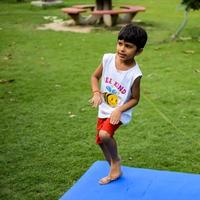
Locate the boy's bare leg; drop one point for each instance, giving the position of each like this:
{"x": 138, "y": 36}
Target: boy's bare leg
{"x": 115, "y": 170}
{"x": 111, "y": 146}
{"x": 115, "y": 163}
{"x": 106, "y": 153}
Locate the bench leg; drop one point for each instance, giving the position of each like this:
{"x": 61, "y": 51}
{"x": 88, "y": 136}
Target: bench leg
{"x": 80, "y": 20}
{"x": 110, "y": 20}
{"x": 91, "y": 19}
{"x": 126, "y": 18}
{"x": 75, "y": 17}
{"x": 107, "y": 20}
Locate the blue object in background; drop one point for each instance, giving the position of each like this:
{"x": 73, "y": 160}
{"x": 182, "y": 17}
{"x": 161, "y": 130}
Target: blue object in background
{"x": 135, "y": 184}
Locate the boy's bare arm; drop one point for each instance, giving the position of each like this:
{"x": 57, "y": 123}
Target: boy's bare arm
{"x": 116, "y": 114}
{"x": 96, "y": 76}
{"x": 135, "y": 96}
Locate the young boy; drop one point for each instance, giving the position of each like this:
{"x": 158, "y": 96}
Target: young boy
{"x": 120, "y": 91}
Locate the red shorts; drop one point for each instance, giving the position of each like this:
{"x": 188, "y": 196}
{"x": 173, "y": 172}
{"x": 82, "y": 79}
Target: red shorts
{"x": 105, "y": 125}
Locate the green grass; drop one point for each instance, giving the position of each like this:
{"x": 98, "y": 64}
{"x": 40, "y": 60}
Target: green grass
{"x": 44, "y": 150}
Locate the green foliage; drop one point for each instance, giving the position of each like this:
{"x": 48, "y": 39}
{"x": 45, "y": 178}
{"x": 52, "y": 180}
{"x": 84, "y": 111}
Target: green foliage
{"x": 191, "y": 4}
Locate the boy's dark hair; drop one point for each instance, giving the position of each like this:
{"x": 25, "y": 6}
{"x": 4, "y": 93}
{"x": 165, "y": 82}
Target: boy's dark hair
{"x": 133, "y": 34}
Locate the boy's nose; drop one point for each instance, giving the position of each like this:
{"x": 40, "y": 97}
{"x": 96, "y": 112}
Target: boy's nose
{"x": 122, "y": 48}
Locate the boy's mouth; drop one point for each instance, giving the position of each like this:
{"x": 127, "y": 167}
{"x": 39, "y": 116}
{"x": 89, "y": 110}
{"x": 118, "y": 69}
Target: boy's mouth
{"x": 122, "y": 55}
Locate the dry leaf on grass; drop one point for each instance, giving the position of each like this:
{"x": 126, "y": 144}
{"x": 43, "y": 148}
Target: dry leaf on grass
{"x": 7, "y": 81}
{"x": 189, "y": 51}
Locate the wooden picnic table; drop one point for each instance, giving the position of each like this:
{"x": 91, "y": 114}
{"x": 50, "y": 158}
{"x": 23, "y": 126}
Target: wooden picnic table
{"x": 102, "y": 12}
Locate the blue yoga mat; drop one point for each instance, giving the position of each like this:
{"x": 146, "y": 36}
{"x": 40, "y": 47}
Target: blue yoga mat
{"x": 135, "y": 184}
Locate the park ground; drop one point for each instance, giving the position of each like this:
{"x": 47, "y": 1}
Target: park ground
{"x": 47, "y": 126}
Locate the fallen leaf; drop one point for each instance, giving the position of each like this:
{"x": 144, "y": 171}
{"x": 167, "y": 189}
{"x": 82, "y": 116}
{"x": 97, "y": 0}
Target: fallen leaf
{"x": 7, "y": 81}
{"x": 185, "y": 38}
{"x": 197, "y": 70}
{"x": 12, "y": 100}
{"x": 47, "y": 17}
{"x": 189, "y": 51}
{"x": 157, "y": 48}
{"x": 72, "y": 116}
{"x": 8, "y": 56}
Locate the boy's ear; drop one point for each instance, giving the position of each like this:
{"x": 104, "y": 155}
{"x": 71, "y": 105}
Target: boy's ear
{"x": 139, "y": 51}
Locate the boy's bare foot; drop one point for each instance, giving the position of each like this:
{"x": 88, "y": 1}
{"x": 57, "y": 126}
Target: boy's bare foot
{"x": 115, "y": 173}
{"x": 115, "y": 170}
{"x": 108, "y": 179}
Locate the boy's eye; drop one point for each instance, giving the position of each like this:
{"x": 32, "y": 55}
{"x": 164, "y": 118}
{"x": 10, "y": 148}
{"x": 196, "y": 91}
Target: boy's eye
{"x": 128, "y": 46}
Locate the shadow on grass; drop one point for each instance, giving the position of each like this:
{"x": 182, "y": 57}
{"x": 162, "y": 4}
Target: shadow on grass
{"x": 146, "y": 25}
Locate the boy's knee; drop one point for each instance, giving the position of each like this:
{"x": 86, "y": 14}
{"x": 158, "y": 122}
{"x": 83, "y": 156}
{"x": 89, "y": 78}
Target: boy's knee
{"x": 104, "y": 136}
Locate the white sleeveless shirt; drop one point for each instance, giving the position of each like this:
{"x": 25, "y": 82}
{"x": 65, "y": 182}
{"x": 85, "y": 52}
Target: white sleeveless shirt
{"x": 116, "y": 87}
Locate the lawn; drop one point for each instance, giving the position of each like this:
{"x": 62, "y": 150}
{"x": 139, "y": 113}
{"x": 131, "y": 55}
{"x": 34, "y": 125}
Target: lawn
{"x": 47, "y": 126}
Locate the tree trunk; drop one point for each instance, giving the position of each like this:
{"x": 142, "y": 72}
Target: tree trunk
{"x": 182, "y": 26}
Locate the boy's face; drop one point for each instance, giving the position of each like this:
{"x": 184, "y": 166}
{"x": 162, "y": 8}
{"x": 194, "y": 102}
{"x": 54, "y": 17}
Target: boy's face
{"x": 126, "y": 50}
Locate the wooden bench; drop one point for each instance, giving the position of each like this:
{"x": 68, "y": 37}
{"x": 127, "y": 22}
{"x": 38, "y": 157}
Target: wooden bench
{"x": 127, "y": 18}
{"x": 111, "y": 17}
{"x": 74, "y": 13}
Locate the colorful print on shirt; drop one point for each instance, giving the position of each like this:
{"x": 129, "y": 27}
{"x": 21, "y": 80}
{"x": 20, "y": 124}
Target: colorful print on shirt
{"x": 113, "y": 89}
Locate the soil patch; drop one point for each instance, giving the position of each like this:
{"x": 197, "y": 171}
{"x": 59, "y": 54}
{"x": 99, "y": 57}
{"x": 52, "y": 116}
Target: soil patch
{"x": 65, "y": 26}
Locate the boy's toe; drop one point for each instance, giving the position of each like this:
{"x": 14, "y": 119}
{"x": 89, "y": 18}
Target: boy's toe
{"x": 108, "y": 179}
{"x": 105, "y": 180}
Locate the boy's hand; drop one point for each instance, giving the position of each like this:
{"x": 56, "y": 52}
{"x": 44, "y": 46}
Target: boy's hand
{"x": 96, "y": 99}
{"x": 115, "y": 116}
